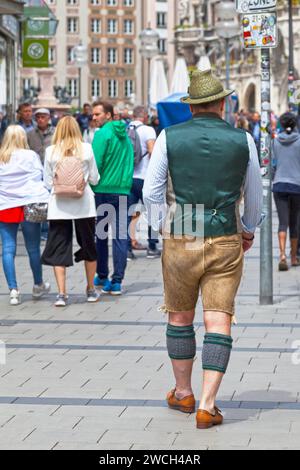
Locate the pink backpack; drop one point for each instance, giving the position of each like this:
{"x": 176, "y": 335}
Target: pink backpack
{"x": 69, "y": 179}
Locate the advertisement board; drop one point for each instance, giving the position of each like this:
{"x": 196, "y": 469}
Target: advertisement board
{"x": 260, "y": 30}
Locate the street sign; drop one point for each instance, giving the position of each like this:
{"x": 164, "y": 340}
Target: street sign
{"x": 249, "y": 6}
{"x": 260, "y": 30}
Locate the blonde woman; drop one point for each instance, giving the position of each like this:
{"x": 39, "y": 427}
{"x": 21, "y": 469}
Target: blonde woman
{"x": 21, "y": 183}
{"x": 64, "y": 209}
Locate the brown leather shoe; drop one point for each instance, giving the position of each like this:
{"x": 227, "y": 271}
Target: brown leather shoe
{"x": 205, "y": 420}
{"x": 185, "y": 405}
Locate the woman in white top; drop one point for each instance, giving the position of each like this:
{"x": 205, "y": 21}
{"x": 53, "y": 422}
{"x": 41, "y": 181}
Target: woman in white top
{"x": 21, "y": 183}
{"x": 62, "y": 210}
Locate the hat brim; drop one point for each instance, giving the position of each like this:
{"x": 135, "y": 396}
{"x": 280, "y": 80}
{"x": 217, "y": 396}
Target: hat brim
{"x": 209, "y": 99}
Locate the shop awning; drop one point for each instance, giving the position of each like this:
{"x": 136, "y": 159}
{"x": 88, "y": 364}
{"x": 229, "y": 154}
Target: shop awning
{"x": 11, "y": 7}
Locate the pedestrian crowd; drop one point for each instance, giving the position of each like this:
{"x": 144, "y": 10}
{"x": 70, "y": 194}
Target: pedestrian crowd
{"x": 90, "y": 172}
{"x": 114, "y": 148}
{"x": 85, "y": 171}
{"x": 285, "y": 132}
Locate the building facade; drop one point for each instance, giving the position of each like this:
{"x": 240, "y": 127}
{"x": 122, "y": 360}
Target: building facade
{"x": 10, "y": 13}
{"x": 109, "y": 29}
{"x": 162, "y": 16}
{"x": 196, "y": 38}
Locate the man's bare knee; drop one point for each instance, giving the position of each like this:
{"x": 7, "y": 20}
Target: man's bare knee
{"x": 217, "y": 322}
{"x": 182, "y": 318}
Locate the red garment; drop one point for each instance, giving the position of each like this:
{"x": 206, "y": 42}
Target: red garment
{"x": 12, "y": 216}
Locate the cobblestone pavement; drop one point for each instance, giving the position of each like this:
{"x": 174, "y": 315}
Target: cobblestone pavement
{"x": 96, "y": 376}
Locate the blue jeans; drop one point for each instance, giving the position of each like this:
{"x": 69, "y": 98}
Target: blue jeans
{"x": 135, "y": 196}
{"x": 32, "y": 237}
{"x": 112, "y": 211}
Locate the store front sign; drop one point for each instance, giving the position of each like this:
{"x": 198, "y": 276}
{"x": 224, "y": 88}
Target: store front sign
{"x": 36, "y": 27}
{"x": 35, "y": 52}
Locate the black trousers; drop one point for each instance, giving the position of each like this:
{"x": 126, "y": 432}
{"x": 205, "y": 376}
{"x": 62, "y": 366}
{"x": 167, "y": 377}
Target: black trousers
{"x": 288, "y": 208}
{"x": 59, "y": 246}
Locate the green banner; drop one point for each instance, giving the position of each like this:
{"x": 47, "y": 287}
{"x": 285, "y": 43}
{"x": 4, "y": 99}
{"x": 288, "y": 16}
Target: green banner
{"x": 36, "y": 28}
{"x": 36, "y": 53}
{"x": 37, "y": 11}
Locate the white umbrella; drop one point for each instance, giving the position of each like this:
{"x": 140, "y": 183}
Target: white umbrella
{"x": 181, "y": 81}
{"x": 204, "y": 63}
{"x": 159, "y": 85}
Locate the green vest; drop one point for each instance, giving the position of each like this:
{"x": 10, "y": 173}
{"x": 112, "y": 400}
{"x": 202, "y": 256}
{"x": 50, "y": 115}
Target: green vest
{"x": 208, "y": 162}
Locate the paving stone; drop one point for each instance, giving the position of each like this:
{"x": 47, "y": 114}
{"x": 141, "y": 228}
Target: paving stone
{"x": 114, "y": 398}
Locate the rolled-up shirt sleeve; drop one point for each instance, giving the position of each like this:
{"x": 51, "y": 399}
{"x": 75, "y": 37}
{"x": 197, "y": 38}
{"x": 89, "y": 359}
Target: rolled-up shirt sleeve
{"x": 155, "y": 186}
{"x": 253, "y": 192}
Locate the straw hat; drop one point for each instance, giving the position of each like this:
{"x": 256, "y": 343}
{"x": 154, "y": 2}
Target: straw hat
{"x": 205, "y": 88}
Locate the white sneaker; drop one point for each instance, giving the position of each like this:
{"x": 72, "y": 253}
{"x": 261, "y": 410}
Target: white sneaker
{"x": 39, "y": 291}
{"x": 92, "y": 296}
{"x": 15, "y": 298}
{"x": 61, "y": 300}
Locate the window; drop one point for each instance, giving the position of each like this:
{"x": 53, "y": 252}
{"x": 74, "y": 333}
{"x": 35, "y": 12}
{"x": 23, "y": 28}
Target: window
{"x": 112, "y": 55}
{"x": 70, "y": 55}
{"x": 111, "y": 3}
{"x": 162, "y": 46}
{"x": 161, "y": 20}
{"x": 72, "y": 25}
{"x": 52, "y": 57}
{"x": 96, "y": 88}
{"x": 112, "y": 26}
{"x": 72, "y": 2}
{"x": 96, "y": 55}
{"x": 128, "y": 88}
{"x": 128, "y": 26}
{"x": 27, "y": 83}
{"x": 73, "y": 87}
{"x": 95, "y": 2}
{"x": 128, "y": 56}
{"x": 95, "y": 26}
{"x": 128, "y": 3}
{"x": 112, "y": 88}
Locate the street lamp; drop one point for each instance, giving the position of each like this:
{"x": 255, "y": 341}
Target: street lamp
{"x": 80, "y": 60}
{"x": 149, "y": 49}
{"x": 227, "y": 28}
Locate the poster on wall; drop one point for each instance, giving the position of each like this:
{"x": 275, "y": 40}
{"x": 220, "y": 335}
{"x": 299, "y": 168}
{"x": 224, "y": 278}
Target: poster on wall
{"x": 260, "y": 30}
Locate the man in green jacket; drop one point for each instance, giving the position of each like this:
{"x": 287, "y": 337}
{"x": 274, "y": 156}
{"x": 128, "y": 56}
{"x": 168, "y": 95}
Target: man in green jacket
{"x": 115, "y": 161}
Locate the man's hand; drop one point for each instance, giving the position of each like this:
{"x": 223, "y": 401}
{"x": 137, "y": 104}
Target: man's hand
{"x": 248, "y": 240}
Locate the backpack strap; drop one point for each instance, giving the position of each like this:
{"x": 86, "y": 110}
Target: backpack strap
{"x": 132, "y": 126}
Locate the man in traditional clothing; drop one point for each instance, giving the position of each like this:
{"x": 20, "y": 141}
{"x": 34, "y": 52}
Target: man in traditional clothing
{"x": 202, "y": 168}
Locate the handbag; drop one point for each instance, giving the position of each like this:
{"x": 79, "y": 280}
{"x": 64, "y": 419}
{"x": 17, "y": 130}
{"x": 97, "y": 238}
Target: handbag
{"x": 36, "y": 212}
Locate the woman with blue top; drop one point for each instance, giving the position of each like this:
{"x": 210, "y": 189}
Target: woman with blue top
{"x": 286, "y": 186}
